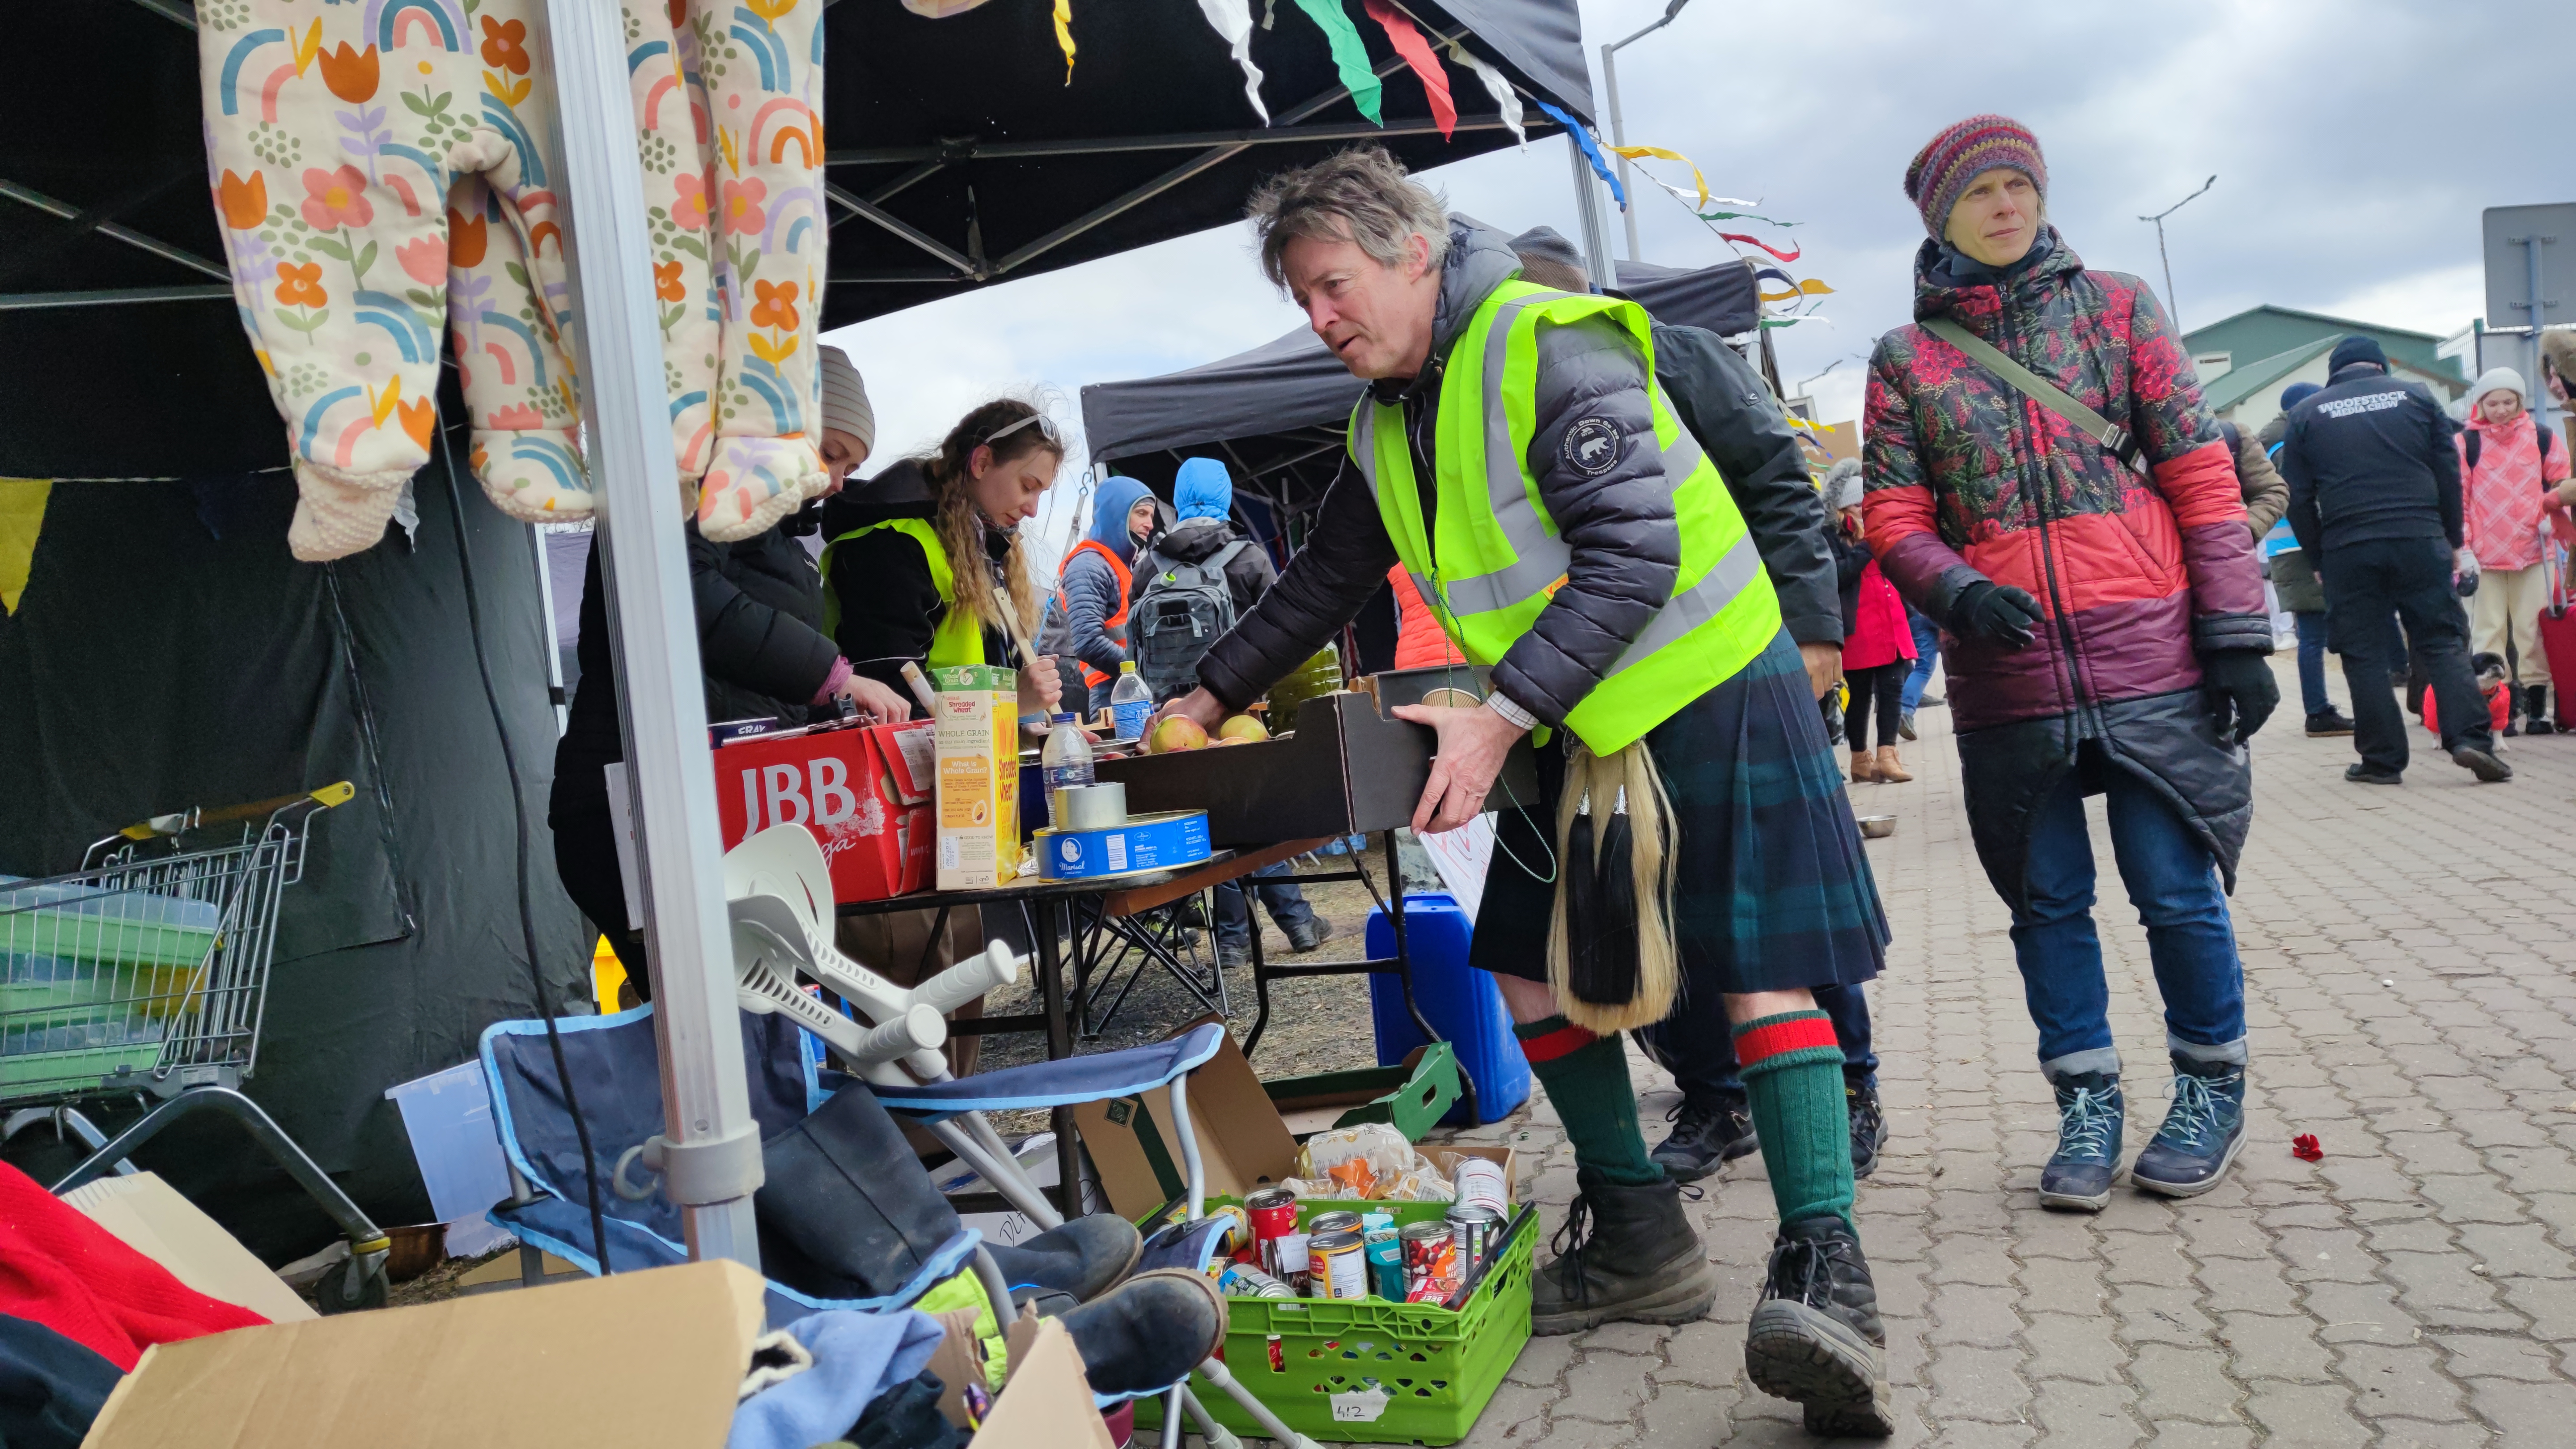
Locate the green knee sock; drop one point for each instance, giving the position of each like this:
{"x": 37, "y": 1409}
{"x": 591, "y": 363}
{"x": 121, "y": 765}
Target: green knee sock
{"x": 1793, "y": 1074}
{"x": 1586, "y": 1077}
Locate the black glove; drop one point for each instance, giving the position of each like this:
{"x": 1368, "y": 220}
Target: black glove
{"x": 2241, "y": 690}
{"x": 1996, "y": 614}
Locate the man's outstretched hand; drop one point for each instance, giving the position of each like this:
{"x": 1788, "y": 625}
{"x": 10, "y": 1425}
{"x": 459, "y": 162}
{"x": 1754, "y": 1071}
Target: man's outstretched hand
{"x": 1198, "y": 705}
{"x": 1473, "y": 741}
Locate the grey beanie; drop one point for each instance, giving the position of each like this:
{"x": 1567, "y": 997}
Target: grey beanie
{"x": 2498, "y": 379}
{"x": 845, "y": 398}
{"x": 1843, "y": 486}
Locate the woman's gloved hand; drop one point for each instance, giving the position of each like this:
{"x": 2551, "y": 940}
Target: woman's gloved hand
{"x": 2241, "y": 691}
{"x": 1996, "y": 614}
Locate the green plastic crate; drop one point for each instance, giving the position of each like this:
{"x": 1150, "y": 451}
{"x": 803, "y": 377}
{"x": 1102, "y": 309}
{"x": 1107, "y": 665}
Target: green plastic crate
{"x": 1437, "y": 1368}
{"x": 1411, "y": 1098}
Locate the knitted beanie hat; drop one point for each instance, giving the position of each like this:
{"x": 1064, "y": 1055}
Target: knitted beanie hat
{"x": 1949, "y": 162}
{"x": 2498, "y": 379}
{"x": 845, "y": 398}
{"x": 1843, "y": 485}
{"x": 2356, "y": 349}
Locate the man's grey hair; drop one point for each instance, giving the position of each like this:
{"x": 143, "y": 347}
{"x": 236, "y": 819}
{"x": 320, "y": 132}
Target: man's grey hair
{"x": 1361, "y": 196}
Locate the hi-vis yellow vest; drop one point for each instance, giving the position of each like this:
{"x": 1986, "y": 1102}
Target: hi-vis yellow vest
{"x": 1495, "y": 557}
{"x": 960, "y": 636}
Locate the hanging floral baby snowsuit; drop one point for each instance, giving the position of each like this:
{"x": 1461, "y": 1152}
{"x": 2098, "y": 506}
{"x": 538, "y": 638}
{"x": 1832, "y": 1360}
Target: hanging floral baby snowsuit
{"x": 381, "y": 165}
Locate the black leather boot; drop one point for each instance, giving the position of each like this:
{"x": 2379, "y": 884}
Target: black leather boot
{"x": 1815, "y": 1337}
{"x": 1625, "y": 1254}
{"x": 847, "y": 1211}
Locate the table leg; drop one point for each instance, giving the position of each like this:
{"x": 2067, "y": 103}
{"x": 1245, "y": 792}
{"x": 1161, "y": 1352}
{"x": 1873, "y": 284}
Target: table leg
{"x": 1059, "y": 1037}
{"x": 1260, "y": 979}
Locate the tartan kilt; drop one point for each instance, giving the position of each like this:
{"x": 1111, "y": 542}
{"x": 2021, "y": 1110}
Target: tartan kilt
{"x": 1771, "y": 890}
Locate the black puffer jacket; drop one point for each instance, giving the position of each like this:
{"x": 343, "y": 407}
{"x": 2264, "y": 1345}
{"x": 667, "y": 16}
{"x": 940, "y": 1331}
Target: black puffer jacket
{"x": 760, "y": 642}
{"x": 2371, "y": 458}
{"x": 1619, "y": 525}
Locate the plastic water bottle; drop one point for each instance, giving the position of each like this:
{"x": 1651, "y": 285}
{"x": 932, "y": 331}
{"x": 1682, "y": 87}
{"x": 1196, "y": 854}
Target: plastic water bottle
{"x": 1067, "y": 757}
{"x": 1130, "y": 703}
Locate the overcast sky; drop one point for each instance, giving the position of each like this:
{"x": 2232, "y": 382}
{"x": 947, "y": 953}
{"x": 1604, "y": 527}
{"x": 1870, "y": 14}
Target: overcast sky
{"x": 2355, "y": 143}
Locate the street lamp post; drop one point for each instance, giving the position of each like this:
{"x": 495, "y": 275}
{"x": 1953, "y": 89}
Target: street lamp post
{"x": 1618, "y": 129}
{"x": 2171, "y": 305}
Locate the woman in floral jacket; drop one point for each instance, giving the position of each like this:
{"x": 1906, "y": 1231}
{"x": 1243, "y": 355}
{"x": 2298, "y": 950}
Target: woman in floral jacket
{"x": 2103, "y": 629}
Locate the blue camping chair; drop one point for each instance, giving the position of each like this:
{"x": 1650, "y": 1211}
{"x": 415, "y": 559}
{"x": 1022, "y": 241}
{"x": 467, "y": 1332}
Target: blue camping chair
{"x": 614, "y": 1062}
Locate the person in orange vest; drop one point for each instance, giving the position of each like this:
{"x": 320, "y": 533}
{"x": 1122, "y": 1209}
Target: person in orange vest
{"x": 1087, "y": 618}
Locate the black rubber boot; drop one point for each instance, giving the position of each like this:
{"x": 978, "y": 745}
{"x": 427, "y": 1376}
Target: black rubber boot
{"x": 1868, "y": 1126}
{"x": 846, "y": 1210}
{"x": 1148, "y": 1331}
{"x": 1709, "y": 1129}
{"x": 1086, "y": 1257}
{"x": 1625, "y": 1255}
{"x": 2535, "y": 708}
{"x": 1815, "y": 1336}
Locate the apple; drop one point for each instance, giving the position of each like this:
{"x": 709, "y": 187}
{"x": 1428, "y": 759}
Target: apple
{"x": 1242, "y": 727}
{"x": 1175, "y": 733}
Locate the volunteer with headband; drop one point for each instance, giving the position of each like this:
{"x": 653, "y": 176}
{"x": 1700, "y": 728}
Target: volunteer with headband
{"x": 761, "y": 644}
{"x": 924, "y": 564}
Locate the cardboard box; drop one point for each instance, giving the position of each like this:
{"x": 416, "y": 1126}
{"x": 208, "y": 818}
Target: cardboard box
{"x": 863, "y": 793}
{"x": 149, "y": 1216}
{"x": 977, "y": 739}
{"x": 1047, "y": 1403}
{"x": 639, "y": 1359}
{"x": 1242, "y": 1143}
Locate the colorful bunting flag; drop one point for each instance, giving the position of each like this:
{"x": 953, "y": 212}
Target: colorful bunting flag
{"x": 1064, "y": 35}
{"x": 1497, "y": 87}
{"x": 1591, "y": 151}
{"x": 1350, "y": 55}
{"x": 1232, "y": 20}
{"x": 1639, "y": 153}
{"x": 1766, "y": 246}
{"x": 1408, "y": 42}
{"x": 1808, "y": 288}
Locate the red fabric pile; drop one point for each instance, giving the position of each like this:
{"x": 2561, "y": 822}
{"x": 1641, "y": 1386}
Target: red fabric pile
{"x": 60, "y": 1269}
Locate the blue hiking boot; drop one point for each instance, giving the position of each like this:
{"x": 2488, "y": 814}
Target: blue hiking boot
{"x": 2203, "y": 1131}
{"x": 2087, "y": 1161}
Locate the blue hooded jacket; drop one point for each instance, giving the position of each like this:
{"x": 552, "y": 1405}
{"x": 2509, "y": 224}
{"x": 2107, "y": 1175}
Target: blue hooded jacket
{"x": 1089, "y": 589}
{"x": 1203, "y": 490}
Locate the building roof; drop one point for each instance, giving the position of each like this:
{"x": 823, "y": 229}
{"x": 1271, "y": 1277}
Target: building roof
{"x": 2267, "y": 332}
{"x": 2250, "y": 379}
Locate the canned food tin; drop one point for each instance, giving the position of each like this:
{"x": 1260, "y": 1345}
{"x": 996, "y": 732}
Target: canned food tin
{"x": 1290, "y": 1260}
{"x": 1238, "y": 1281}
{"x": 1334, "y": 1222}
{"x": 1272, "y": 1212}
{"x": 1339, "y": 1268}
{"x": 1480, "y": 1183}
{"x": 1430, "y": 1261}
{"x": 1236, "y": 1236}
{"x": 1472, "y": 1228}
{"x": 1385, "y": 1263}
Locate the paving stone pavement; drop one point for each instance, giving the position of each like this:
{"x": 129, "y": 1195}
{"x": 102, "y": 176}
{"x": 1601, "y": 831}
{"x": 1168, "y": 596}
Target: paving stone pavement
{"x": 2410, "y": 961}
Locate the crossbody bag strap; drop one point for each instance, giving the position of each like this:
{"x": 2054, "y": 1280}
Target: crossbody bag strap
{"x": 2122, "y": 443}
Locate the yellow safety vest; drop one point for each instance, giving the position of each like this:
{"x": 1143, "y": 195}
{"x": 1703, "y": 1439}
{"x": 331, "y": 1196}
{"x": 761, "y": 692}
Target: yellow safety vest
{"x": 959, "y": 639}
{"x": 1495, "y": 558}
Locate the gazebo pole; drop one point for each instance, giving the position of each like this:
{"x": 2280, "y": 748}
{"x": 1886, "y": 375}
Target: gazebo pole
{"x": 711, "y": 1158}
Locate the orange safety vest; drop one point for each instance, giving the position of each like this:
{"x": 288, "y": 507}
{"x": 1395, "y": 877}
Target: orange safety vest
{"x": 1115, "y": 626}
{"x": 1420, "y": 642}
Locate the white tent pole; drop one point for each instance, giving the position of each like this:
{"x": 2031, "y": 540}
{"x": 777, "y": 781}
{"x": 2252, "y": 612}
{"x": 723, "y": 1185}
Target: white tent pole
{"x": 713, "y": 1161}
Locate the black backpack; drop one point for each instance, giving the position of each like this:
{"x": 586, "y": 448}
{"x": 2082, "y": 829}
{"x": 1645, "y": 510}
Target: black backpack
{"x": 1180, "y": 610}
{"x": 2470, "y": 446}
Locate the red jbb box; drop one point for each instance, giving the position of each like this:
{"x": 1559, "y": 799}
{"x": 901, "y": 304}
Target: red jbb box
{"x": 863, "y": 793}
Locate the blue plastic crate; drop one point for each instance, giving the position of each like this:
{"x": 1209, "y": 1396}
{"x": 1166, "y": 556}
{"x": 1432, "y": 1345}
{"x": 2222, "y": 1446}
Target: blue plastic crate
{"x": 1461, "y": 1002}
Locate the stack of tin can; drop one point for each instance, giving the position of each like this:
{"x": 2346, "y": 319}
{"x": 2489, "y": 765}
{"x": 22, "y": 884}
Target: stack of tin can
{"x": 1341, "y": 1254}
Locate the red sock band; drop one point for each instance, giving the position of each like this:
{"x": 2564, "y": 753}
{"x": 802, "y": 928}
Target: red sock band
{"x": 1772, "y": 1038}
{"x": 1564, "y": 1041}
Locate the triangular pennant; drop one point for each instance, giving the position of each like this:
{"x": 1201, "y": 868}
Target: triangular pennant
{"x": 1232, "y": 19}
{"x": 1408, "y": 42}
{"x": 1495, "y": 86}
{"x": 22, "y": 517}
{"x": 1591, "y": 153}
{"x": 1636, "y": 153}
{"x": 1064, "y": 35}
{"x": 1766, "y": 246}
{"x": 1350, "y": 55}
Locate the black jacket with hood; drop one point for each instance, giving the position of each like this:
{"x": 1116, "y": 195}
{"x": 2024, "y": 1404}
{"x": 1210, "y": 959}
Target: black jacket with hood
{"x": 889, "y": 604}
{"x": 1618, "y": 525}
{"x": 2371, "y": 458}
{"x": 760, "y": 643}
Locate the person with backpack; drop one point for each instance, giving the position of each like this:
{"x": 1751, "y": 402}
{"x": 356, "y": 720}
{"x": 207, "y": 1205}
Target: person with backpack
{"x": 1086, "y": 619}
{"x": 1191, "y": 585}
{"x": 2105, "y": 634}
{"x": 2508, "y": 462}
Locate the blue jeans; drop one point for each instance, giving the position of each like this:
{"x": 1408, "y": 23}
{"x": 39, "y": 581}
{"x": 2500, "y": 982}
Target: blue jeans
{"x": 1927, "y": 652}
{"x": 2312, "y": 664}
{"x": 2173, "y": 881}
{"x": 1697, "y": 1043}
{"x": 1286, "y": 904}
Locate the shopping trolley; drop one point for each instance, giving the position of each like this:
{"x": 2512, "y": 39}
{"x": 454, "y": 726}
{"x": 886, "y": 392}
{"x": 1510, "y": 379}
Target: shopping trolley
{"x": 144, "y": 975}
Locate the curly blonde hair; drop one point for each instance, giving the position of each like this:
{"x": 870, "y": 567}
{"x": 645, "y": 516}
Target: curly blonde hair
{"x": 962, "y": 531}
